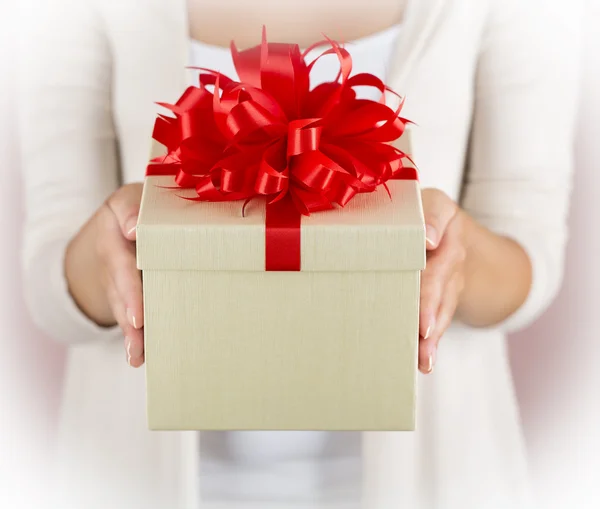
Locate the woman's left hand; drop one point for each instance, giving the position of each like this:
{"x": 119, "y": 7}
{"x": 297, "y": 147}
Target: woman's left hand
{"x": 443, "y": 279}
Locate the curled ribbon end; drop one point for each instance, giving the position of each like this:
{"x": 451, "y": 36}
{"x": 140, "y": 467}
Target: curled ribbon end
{"x": 385, "y": 186}
{"x": 245, "y": 205}
{"x": 188, "y": 198}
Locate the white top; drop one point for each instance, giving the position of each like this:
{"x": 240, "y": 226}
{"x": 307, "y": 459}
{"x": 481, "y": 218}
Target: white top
{"x": 369, "y": 54}
{"x": 491, "y": 82}
{"x": 290, "y": 466}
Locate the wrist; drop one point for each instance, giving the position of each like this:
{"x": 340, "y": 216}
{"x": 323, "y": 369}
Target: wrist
{"x": 497, "y": 275}
{"x": 83, "y": 274}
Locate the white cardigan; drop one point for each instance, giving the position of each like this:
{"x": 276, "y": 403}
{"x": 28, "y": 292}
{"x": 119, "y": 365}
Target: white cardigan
{"x": 492, "y": 85}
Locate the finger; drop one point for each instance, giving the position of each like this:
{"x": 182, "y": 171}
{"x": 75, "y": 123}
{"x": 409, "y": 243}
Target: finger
{"x": 433, "y": 280}
{"x": 127, "y": 280}
{"x": 134, "y": 349}
{"x": 125, "y": 204}
{"x": 133, "y": 338}
{"x": 438, "y": 209}
{"x": 448, "y": 306}
{"x": 428, "y": 347}
{"x": 426, "y": 360}
{"x": 119, "y": 254}
{"x": 441, "y": 265}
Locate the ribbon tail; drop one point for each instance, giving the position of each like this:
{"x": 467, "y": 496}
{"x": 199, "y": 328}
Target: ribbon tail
{"x": 282, "y": 236}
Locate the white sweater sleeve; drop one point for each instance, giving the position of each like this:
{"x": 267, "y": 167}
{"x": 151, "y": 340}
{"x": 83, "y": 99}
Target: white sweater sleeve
{"x": 521, "y": 160}
{"x": 68, "y": 149}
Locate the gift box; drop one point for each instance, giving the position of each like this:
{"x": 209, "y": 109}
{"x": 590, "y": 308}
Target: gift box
{"x": 296, "y": 308}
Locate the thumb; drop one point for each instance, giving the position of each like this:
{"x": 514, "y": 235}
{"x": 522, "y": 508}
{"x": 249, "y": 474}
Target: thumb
{"x": 439, "y": 210}
{"x": 125, "y": 204}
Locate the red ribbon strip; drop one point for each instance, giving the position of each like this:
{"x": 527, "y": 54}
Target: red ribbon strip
{"x": 271, "y": 135}
{"x": 282, "y": 236}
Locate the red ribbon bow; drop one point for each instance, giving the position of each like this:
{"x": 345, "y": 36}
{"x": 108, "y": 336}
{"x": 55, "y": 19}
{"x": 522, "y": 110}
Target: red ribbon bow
{"x": 270, "y": 135}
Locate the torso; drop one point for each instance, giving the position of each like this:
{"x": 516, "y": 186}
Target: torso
{"x": 148, "y": 59}
{"x": 302, "y": 22}
{"x": 282, "y": 466}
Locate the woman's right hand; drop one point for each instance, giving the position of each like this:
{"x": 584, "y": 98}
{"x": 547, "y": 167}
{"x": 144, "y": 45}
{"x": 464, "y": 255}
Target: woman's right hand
{"x": 101, "y": 269}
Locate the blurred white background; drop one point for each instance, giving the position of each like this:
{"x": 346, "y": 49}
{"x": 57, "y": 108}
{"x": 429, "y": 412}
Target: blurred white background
{"x": 556, "y": 362}
{"x": 30, "y": 365}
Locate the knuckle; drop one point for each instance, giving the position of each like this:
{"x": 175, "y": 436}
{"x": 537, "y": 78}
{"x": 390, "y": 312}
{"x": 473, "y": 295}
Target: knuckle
{"x": 439, "y": 208}
{"x": 134, "y": 187}
{"x": 438, "y": 266}
{"x": 126, "y": 198}
{"x": 440, "y": 198}
{"x": 430, "y": 274}
{"x": 104, "y": 217}
{"x": 130, "y": 192}
{"x": 131, "y": 210}
{"x": 435, "y": 260}
{"x": 430, "y": 289}
{"x": 433, "y": 218}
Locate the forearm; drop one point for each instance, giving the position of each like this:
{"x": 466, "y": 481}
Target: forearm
{"x": 498, "y": 276}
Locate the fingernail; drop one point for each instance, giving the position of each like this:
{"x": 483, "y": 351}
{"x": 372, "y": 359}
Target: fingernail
{"x": 131, "y": 318}
{"x": 128, "y": 343}
{"x": 429, "y": 367}
{"x": 433, "y": 357}
{"x": 131, "y": 225}
{"x": 429, "y": 329}
{"x": 431, "y": 235}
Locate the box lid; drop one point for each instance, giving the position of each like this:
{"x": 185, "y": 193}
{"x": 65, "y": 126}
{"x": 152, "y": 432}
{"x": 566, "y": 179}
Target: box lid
{"x": 371, "y": 233}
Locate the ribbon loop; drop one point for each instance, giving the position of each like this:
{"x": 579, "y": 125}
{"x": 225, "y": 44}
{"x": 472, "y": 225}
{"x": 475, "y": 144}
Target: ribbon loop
{"x": 303, "y": 136}
{"x": 271, "y": 135}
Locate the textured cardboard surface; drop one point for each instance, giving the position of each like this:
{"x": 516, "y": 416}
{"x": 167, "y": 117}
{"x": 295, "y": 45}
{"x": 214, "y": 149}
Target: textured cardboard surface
{"x": 230, "y": 346}
{"x": 251, "y": 350}
{"x": 373, "y": 232}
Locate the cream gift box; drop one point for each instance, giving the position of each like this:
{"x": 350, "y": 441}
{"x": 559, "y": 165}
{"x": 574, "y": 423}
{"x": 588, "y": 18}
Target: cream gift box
{"x": 230, "y": 346}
